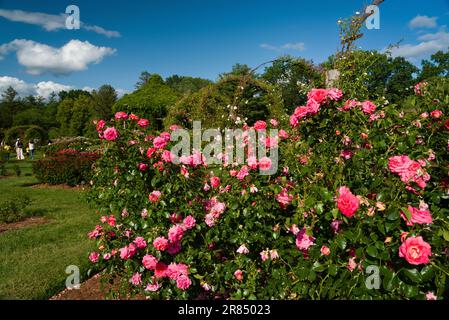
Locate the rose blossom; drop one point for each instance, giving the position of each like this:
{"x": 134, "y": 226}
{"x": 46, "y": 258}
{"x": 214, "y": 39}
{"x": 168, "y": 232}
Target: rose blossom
{"x": 274, "y": 122}
{"x": 319, "y": 95}
{"x": 175, "y": 233}
{"x": 417, "y": 216}
{"x": 140, "y": 242}
{"x": 431, "y": 296}
{"x": 368, "y": 107}
{"x": 215, "y": 182}
{"x": 238, "y": 274}
{"x": 265, "y": 164}
{"x": 154, "y": 196}
{"x": 154, "y": 286}
{"x": 149, "y": 262}
{"x": 120, "y": 115}
{"x": 334, "y": 94}
{"x": 159, "y": 143}
{"x": 436, "y": 114}
{"x": 301, "y": 112}
{"x": 265, "y": 255}
{"x": 293, "y": 120}
{"x": 274, "y": 254}
{"x": 260, "y": 125}
{"x": 303, "y": 241}
{"x": 160, "y": 243}
{"x": 325, "y": 251}
{"x": 312, "y": 106}
{"x": 189, "y": 222}
{"x": 143, "y": 166}
{"x": 415, "y": 250}
{"x": 183, "y": 282}
{"x": 352, "y": 264}
{"x": 110, "y": 134}
{"x": 136, "y": 279}
{"x": 93, "y": 257}
{"x": 243, "y": 249}
{"x": 284, "y": 198}
{"x": 143, "y": 123}
{"x": 347, "y": 202}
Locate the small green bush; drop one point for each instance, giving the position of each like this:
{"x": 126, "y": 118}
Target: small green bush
{"x": 12, "y": 210}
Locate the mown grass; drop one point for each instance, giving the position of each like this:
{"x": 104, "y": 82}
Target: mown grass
{"x": 33, "y": 260}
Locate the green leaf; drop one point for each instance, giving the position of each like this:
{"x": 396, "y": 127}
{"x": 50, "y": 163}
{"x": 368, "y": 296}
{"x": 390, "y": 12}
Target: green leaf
{"x": 413, "y": 274}
{"x": 372, "y": 251}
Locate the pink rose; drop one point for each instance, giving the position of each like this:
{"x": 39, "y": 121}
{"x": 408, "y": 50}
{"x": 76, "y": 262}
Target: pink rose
{"x": 274, "y": 122}
{"x": 312, "y": 106}
{"x": 260, "y": 125}
{"x": 304, "y": 241}
{"x": 284, "y": 198}
{"x": 100, "y": 125}
{"x": 238, "y": 274}
{"x": 121, "y": 115}
{"x": 110, "y": 134}
{"x": 431, "y": 296}
{"x": 352, "y": 264}
{"x": 93, "y": 257}
{"x": 165, "y": 135}
{"x": 153, "y": 287}
{"x": 242, "y": 249}
{"x": 334, "y": 94}
{"x": 319, "y": 95}
{"x": 143, "y": 166}
{"x": 189, "y": 222}
{"x": 136, "y": 279}
{"x": 436, "y": 114}
{"x": 265, "y": 164}
{"x": 347, "y": 202}
{"x": 284, "y": 135}
{"x": 160, "y": 271}
{"x": 415, "y": 250}
{"x": 154, "y": 196}
{"x": 174, "y": 248}
{"x": 368, "y": 107}
{"x": 293, "y": 121}
{"x": 149, "y": 262}
{"x": 140, "y": 242}
{"x": 159, "y": 143}
{"x": 160, "y": 243}
{"x": 417, "y": 216}
{"x": 175, "y": 233}
{"x": 132, "y": 116}
{"x": 325, "y": 251}
{"x": 183, "y": 282}
{"x": 301, "y": 112}
{"x": 150, "y": 152}
{"x": 242, "y": 173}
{"x": 143, "y": 123}
{"x": 335, "y": 225}
{"x": 215, "y": 182}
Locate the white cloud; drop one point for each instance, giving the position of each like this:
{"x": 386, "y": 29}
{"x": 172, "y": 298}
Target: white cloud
{"x": 429, "y": 43}
{"x": 39, "y": 58}
{"x": 298, "y": 46}
{"x": 43, "y": 88}
{"x": 423, "y": 22}
{"x": 51, "y": 22}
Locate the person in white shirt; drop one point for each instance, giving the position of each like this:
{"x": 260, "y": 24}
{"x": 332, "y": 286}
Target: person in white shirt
{"x": 31, "y": 149}
{"x": 19, "y": 149}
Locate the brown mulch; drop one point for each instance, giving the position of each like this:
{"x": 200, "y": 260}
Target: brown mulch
{"x": 56, "y": 186}
{"x": 28, "y": 222}
{"x": 89, "y": 290}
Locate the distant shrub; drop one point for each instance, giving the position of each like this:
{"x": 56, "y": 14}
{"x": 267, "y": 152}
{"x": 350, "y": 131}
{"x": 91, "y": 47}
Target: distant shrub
{"x": 68, "y": 166}
{"x": 12, "y": 210}
{"x": 73, "y": 143}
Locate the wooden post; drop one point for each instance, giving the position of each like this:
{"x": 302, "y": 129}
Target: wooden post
{"x": 332, "y": 77}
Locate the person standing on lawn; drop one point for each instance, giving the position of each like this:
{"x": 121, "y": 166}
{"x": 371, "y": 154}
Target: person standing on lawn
{"x": 31, "y": 149}
{"x": 19, "y": 149}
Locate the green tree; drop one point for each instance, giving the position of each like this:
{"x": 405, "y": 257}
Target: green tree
{"x": 64, "y": 115}
{"x": 143, "y": 79}
{"x": 183, "y": 84}
{"x": 438, "y": 66}
{"x": 293, "y": 76}
{"x": 9, "y": 95}
{"x": 103, "y": 101}
{"x": 237, "y": 70}
{"x": 80, "y": 120}
{"x": 151, "y": 101}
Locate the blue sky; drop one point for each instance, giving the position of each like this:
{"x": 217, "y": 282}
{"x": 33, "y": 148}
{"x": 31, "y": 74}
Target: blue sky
{"x": 191, "y": 37}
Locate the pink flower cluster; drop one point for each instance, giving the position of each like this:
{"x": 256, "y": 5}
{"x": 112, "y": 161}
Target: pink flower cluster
{"x": 284, "y": 198}
{"x": 303, "y": 241}
{"x": 214, "y": 209}
{"x": 315, "y": 99}
{"x": 175, "y": 271}
{"x": 417, "y": 215}
{"x": 409, "y": 170}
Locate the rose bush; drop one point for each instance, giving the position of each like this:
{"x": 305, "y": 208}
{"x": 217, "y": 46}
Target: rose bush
{"x": 359, "y": 184}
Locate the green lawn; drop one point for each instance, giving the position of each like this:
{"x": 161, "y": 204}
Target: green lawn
{"x": 33, "y": 260}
